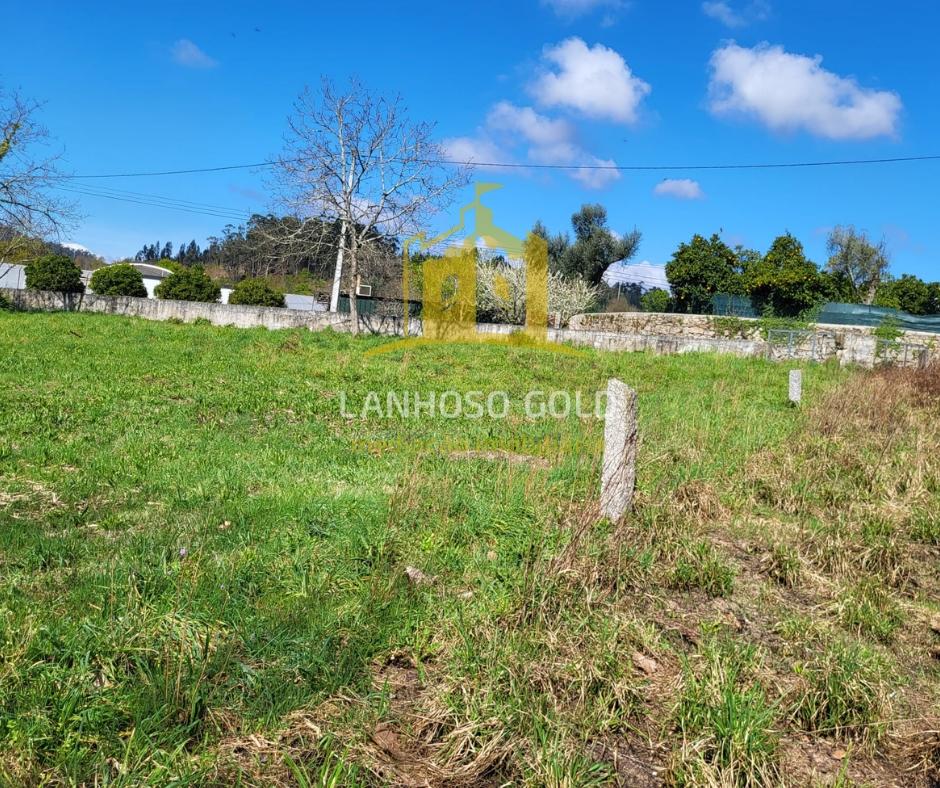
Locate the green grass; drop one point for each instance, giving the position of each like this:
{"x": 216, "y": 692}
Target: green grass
{"x": 725, "y": 720}
{"x": 844, "y": 692}
{"x": 783, "y": 564}
{"x": 869, "y": 610}
{"x": 203, "y": 562}
{"x": 698, "y": 565}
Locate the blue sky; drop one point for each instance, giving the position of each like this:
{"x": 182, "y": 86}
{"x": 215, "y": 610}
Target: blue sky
{"x": 133, "y": 86}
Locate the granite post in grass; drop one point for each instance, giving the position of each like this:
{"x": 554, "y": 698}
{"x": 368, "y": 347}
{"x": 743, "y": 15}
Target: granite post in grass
{"x": 618, "y": 472}
{"x": 796, "y": 386}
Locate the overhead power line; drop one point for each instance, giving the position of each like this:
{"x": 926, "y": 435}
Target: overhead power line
{"x": 169, "y": 203}
{"x": 529, "y": 166}
{"x": 164, "y": 198}
{"x": 223, "y": 212}
{"x": 192, "y": 171}
{"x": 155, "y": 203}
{"x": 683, "y": 167}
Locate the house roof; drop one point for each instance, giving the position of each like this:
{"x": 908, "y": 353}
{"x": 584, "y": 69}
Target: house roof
{"x": 152, "y": 271}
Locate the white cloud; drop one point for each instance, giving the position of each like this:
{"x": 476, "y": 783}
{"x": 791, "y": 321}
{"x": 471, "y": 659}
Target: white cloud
{"x": 186, "y": 53}
{"x": 552, "y": 141}
{"x": 470, "y": 150}
{"x": 756, "y": 11}
{"x": 547, "y": 141}
{"x": 788, "y": 92}
{"x": 535, "y": 128}
{"x": 569, "y": 9}
{"x": 680, "y": 188}
{"x": 76, "y": 247}
{"x": 594, "y": 177}
{"x": 595, "y": 81}
{"x": 645, "y": 273}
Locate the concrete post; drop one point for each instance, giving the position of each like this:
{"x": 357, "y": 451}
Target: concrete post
{"x": 618, "y": 472}
{"x": 796, "y": 386}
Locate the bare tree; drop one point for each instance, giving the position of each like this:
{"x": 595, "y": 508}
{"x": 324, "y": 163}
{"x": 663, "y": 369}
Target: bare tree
{"x": 29, "y": 213}
{"x": 863, "y": 263}
{"x": 354, "y": 156}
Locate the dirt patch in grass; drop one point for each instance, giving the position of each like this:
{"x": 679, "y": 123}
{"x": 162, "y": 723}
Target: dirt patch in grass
{"x": 501, "y": 456}
{"x": 635, "y": 760}
{"x": 25, "y": 496}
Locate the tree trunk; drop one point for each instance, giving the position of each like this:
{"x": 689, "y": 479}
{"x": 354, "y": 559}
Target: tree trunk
{"x": 353, "y": 283}
{"x": 338, "y": 271}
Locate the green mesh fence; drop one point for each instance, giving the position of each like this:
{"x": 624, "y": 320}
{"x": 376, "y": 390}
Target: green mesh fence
{"x": 861, "y": 315}
{"x": 729, "y": 305}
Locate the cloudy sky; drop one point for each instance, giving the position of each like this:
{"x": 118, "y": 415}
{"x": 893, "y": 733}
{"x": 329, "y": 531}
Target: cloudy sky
{"x": 588, "y": 84}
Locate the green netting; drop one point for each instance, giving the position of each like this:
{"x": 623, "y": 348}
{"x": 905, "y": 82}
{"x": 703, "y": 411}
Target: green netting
{"x": 729, "y": 305}
{"x": 861, "y": 315}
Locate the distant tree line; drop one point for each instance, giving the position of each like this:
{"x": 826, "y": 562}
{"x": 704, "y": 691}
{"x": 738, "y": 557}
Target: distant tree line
{"x": 273, "y": 246}
{"x": 784, "y": 282}
{"x": 20, "y": 250}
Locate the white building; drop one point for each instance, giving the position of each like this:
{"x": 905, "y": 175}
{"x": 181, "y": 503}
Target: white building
{"x": 153, "y": 275}
{"x": 14, "y": 277}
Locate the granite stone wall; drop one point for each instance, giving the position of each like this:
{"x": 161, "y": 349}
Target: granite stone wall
{"x": 848, "y": 344}
{"x": 616, "y": 331}
{"x": 190, "y": 311}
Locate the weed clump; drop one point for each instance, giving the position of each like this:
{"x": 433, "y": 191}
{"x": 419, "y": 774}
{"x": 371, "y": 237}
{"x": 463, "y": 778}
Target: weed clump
{"x": 925, "y": 527}
{"x": 725, "y": 720}
{"x": 699, "y": 566}
{"x": 842, "y": 692}
{"x": 867, "y": 610}
{"x": 783, "y": 564}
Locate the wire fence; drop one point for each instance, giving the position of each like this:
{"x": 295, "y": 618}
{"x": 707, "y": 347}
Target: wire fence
{"x": 873, "y": 316}
{"x": 894, "y": 353}
{"x": 800, "y": 344}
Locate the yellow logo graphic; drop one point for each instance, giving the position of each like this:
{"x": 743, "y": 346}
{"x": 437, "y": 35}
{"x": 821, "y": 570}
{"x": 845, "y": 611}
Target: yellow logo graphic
{"x": 449, "y": 284}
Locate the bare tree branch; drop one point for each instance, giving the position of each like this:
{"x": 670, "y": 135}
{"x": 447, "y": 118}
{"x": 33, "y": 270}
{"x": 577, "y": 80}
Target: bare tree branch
{"x": 353, "y": 156}
{"x": 29, "y": 213}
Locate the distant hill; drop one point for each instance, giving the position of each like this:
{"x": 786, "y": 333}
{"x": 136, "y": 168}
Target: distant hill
{"x": 84, "y": 258}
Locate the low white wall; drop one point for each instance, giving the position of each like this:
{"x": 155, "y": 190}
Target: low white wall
{"x": 848, "y": 344}
{"x": 187, "y": 311}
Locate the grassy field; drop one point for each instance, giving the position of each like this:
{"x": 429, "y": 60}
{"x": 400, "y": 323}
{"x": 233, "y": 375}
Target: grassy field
{"x": 210, "y": 575}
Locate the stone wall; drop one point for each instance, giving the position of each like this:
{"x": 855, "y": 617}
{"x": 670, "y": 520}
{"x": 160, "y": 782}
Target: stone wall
{"x": 189, "y": 311}
{"x": 663, "y": 324}
{"x": 668, "y": 324}
{"x": 619, "y": 331}
{"x": 662, "y": 344}
{"x": 745, "y": 336}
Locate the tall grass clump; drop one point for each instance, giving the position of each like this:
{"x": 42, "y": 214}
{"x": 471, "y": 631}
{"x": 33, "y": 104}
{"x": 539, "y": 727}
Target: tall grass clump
{"x": 867, "y": 609}
{"x": 842, "y": 692}
{"x": 725, "y": 720}
{"x": 700, "y": 566}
